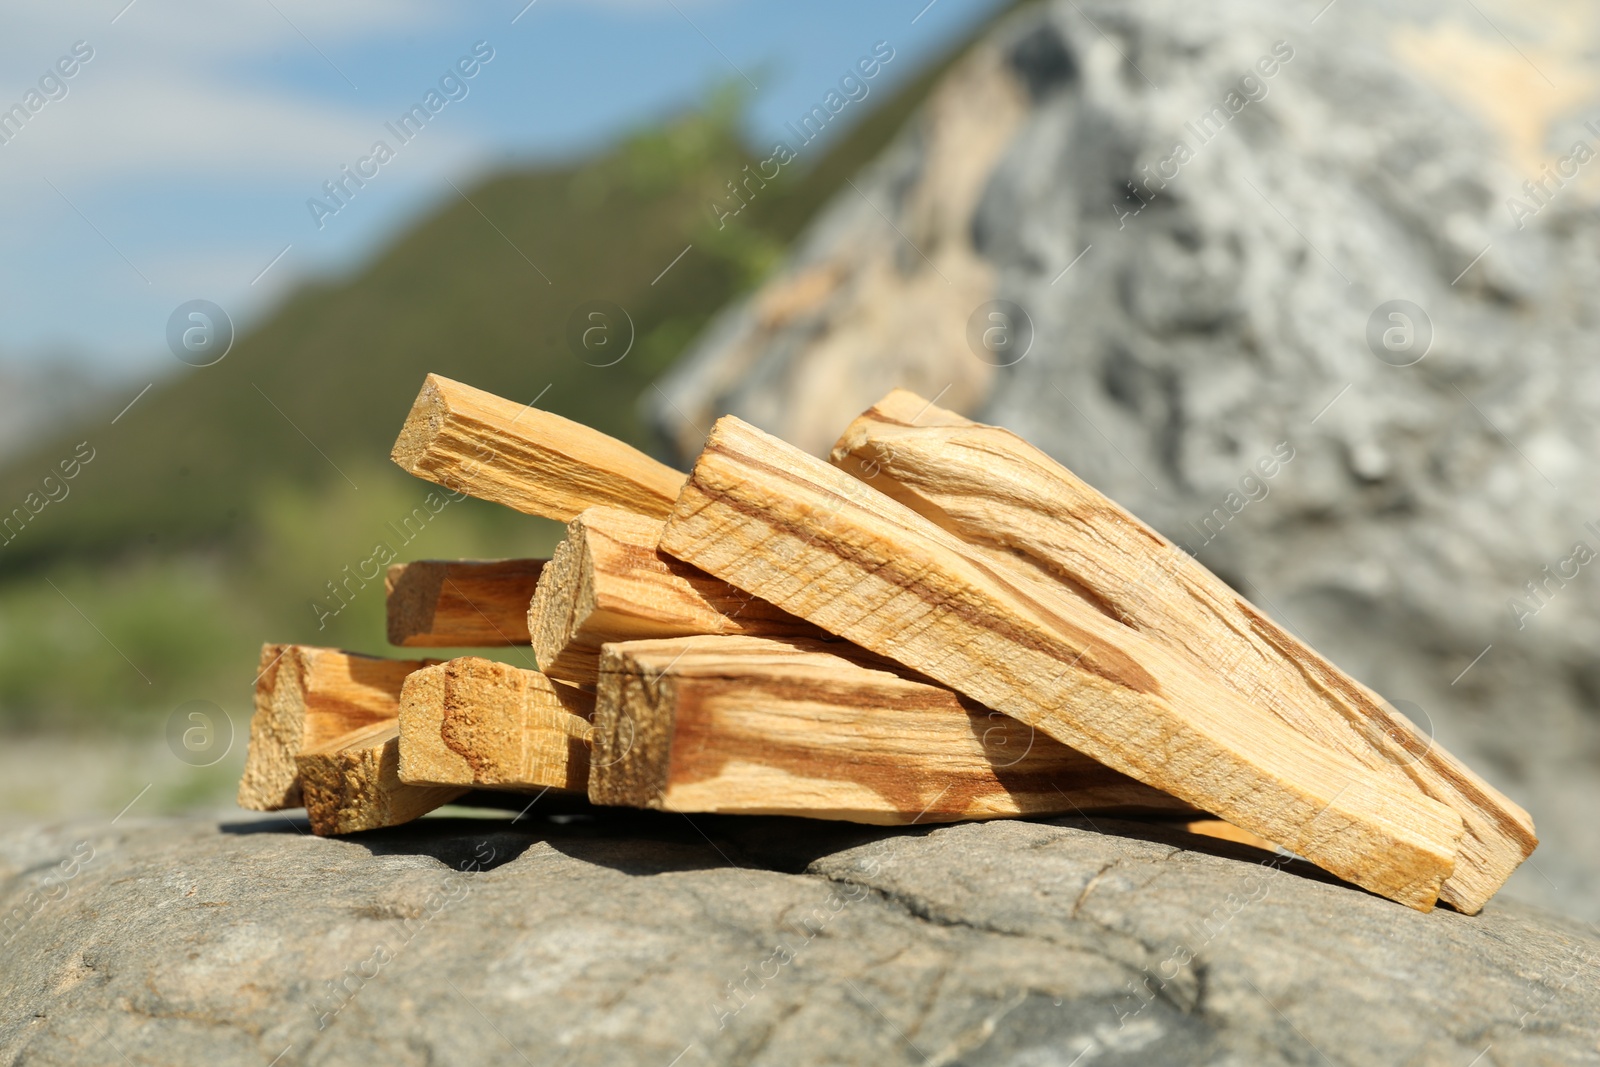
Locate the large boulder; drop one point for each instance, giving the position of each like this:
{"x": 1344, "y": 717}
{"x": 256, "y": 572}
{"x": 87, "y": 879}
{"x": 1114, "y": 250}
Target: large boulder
{"x": 1195, "y": 223}
{"x": 632, "y": 938}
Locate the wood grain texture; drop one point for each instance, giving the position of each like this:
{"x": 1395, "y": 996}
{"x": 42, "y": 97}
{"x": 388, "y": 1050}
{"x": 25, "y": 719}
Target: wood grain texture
{"x": 1002, "y": 495}
{"x": 352, "y": 783}
{"x": 609, "y": 581}
{"x": 750, "y": 725}
{"x": 464, "y": 603}
{"x": 304, "y": 697}
{"x": 475, "y": 722}
{"x": 474, "y": 442}
{"x": 816, "y": 542}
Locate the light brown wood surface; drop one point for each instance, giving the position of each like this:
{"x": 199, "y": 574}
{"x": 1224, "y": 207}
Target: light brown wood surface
{"x": 351, "y": 783}
{"x": 465, "y": 603}
{"x": 608, "y": 581}
{"x": 474, "y": 442}
{"x": 304, "y": 697}
{"x": 752, "y": 725}
{"x": 998, "y": 493}
{"x": 816, "y": 542}
{"x": 1226, "y": 831}
{"x": 475, "y": 722}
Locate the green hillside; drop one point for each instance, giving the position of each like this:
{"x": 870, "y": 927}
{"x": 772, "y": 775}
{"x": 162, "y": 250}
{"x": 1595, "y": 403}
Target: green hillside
{"x": 213, "y": 514}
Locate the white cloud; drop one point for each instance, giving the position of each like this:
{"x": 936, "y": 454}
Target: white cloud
{"x": 197, "y": 31}
{"x": 188, "y": 96}
{"x": 165, "y": 89}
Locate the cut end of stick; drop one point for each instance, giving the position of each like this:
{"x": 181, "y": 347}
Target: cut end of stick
{"x": 270, "y": 781}
{"x": 609, "y": 581}
{"x": 422, "y": 426}
{"x": 411, "y": 593}
{"x": 352, "y": 783}
{"x": 304, "y": 697}
{"x": 633, "y": 728}
{"x": 562, "y": 603}
{"x": 475, "y": 722}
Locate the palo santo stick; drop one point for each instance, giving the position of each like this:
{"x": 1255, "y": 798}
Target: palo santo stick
{"x": 1000, "y": 494}
{"x": 463, "y": 603}
{"x": 305, "y": 697}
{"x": 751, "y": 725}
{"x": 1226, "y": 831}
{"x": 474, "y": 722}
{"x": 810, "y": 539}
{"x": 351, "y": 783}
{"x": 477, "y": 443}
{"x": 608, "y": 581}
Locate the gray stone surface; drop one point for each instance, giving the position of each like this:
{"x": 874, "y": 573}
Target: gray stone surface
{"x": 623, "y": 939}
{"x": 1220, "y": 311}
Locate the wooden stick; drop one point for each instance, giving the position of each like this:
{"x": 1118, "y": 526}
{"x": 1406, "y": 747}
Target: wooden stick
{"x": 463, "y": 603}
{"x": 474, "y": 722}
{"x": 477, "y": 443}
{"x": 1000, "y": 494}
{"x": 351, "y": 783}
{"x": 1226, "y": 831}
{"x": 608, "y": 581}
{"x": 752, "y": 725}
{"x": 810, "y": 539}
{"x": 305, "y": 697}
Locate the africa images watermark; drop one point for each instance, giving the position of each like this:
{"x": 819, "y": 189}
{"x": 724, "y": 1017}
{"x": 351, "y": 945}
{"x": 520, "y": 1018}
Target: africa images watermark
{"x": 854, "y": 86}
{"x": 453, "y": 86}
{"x": 53, "y": 888}
{"x": 1541, "y": 590}
{"x": 52, "y": 86}
{"x": 343, "y": 591}
{"x": 1252, "y": 489}
{"x": 1541, "y": 193}
{"x": 52, "y": 489}
{"x": 1249, "y": 89}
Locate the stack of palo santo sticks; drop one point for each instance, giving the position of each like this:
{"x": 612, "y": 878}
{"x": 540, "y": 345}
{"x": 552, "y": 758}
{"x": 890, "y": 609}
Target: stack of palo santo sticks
{"x": 941, "y": 624}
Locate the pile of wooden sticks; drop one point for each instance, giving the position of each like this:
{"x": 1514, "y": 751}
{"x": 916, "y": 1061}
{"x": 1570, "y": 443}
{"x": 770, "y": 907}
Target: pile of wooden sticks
{"x": 941, "y": 624}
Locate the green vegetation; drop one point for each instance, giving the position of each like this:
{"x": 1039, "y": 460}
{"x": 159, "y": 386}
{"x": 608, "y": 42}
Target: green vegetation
{"x": 208, "y": 523}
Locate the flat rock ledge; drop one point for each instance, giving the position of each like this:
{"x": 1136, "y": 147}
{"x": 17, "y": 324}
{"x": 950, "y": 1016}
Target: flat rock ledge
{"x": 632, "y": 938}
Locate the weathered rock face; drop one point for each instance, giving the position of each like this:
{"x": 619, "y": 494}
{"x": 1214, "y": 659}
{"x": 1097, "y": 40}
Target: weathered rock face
{"x": 1202, "y": 211}
{"x": 636, "y": 938}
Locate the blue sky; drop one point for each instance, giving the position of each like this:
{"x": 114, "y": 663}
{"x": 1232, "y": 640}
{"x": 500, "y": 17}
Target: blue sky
{"x": 176, "y": 162}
